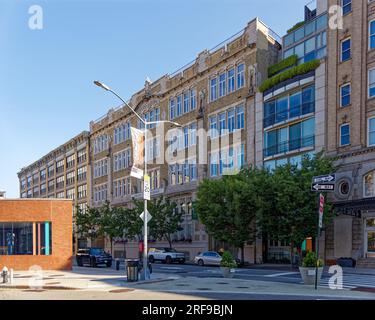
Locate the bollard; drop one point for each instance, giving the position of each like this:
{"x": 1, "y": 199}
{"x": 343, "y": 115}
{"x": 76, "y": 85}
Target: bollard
{"x": 4, "y": 274}
{"x": 11, "y": 276}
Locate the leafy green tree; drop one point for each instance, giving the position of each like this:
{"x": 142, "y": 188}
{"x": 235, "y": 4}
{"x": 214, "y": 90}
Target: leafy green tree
{"x": 166, "y": 220}
{"x": 292, "y": 212}
{"x": 88, "y": 222}
{"x": 228, "y": 206}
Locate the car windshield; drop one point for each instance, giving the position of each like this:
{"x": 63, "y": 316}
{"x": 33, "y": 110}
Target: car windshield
{"x": 97, "y": 251}
{"x": 169, "y": 250}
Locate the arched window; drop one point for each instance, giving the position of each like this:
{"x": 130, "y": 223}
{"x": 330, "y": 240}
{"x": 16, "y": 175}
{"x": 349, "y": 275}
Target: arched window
{"x": 368, "y": 183}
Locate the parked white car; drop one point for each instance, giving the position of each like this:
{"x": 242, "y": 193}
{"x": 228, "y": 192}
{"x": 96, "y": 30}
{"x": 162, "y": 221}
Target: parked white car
{"x": 208, "y": 258}
{"x": 166, "y": 255}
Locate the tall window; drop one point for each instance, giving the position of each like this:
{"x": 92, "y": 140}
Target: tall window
{"x": 213, "y": 95}
{"x": 240, "y": 114}
{"x": 231, "y": 80}
{"x": 371, "y": 132}
{"x": 179, "y": 105}
{"x": 346, "y": 6}
{"x": 186, "y": 102}
{"x": 213, "y": 127}
{"x": 371, "y": 39}
{"x": 368, "y": 185}
{"x": 346, "y": 50}
{"x": 193, "y": 99}
{"x": 231, "y": 121}
{"x": 344, "y": 134}
{"x": 371, "y": 83}
{"x": 345, "y": 95}
{"x": 222, "y": 85}
{"x": 172, "y": 107}
{"x": 222, "y": 123}
{"x": 240, "y": 76}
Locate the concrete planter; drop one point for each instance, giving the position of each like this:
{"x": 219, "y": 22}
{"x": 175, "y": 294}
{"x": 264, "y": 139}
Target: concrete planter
{"x": 308, "y": 275}
{"x": 227, "y": 272}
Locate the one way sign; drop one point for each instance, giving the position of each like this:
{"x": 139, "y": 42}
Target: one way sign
{"x": 329, "y": 178}
{"x": 322, "y": 187}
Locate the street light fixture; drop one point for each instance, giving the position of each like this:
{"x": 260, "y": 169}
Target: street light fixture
{"x": 146, "y": 124}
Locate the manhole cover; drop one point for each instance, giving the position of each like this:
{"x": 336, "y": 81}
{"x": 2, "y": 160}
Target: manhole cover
{"x": 242, "y": 287}
{"x": 52, "y": 283}
{"x": 222, "y": 283}
{"x": 182, "y": 285}
{"x": 204, "y": 289}
{"x": 121, "y": 290}
{"x": 33, "y": 290}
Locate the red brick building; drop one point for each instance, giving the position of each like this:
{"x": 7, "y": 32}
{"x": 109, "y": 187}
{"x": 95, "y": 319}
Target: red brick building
{"x": 36, "y": 232}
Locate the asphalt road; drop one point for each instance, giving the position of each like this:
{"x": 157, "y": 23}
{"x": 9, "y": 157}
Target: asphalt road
{"x": 283, "y": 274}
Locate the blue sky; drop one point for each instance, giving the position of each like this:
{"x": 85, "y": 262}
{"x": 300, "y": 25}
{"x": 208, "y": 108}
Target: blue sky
{"x": 46, "y": 90}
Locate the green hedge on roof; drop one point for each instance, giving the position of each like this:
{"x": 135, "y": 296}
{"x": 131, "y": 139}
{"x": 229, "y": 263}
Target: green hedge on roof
{"x": 289, "y": 74}
{"x": 286, "y": 63}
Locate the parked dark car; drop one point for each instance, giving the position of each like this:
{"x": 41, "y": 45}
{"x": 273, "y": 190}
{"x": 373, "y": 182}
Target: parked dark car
{"x": 93, "y": 257}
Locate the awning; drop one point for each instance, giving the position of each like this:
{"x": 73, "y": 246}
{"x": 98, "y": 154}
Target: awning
{"x": 354, "y": 208}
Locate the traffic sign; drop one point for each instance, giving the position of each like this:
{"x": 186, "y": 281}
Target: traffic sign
{"x": 329, "y": 178}
{"x": 142, "y": 216}
{"x": 316, "y": 187}
{"x": 147, "y": 189}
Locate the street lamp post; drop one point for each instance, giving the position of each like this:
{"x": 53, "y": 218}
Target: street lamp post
{"x": 146, "y": 125}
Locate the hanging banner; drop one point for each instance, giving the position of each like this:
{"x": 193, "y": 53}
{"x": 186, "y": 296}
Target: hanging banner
{"x": 138, "y": 139}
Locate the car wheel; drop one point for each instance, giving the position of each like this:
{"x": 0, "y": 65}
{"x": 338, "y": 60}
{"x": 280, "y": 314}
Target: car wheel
{"x": 168, "y": 260}
{"x": 182, "y": 261}
{"x": 109, "y": 264}
{"x": 200, "y": 262}
{"x": 151, "y": 259}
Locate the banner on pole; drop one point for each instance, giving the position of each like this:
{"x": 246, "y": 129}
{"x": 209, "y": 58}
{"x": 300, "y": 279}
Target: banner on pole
{"x": 138, "y": 138}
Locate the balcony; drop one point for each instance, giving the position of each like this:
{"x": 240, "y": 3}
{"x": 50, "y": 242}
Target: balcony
{"x": 289, "y": 114}
{"x": 288, "y": 146}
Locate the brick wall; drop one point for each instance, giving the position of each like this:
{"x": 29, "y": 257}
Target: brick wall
{"x": 59, "y": 213}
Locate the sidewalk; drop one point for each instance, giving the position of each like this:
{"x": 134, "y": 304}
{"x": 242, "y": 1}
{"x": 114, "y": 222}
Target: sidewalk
{"x": 86, "y": 284}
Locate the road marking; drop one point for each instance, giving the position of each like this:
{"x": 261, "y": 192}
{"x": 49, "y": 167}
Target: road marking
{"x": 280, "y": 274}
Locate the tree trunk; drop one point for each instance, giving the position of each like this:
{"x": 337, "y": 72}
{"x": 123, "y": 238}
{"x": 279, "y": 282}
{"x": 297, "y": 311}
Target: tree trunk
{"x": 243, "y": 254}
{"x": 111, "y": 246}
{"x": 169, "y": 241}
{"x": 124, "y": 249}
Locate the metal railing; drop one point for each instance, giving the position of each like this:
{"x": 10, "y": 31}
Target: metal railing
{"x": 290, "y": 145}
{"x": 290, "y": 113}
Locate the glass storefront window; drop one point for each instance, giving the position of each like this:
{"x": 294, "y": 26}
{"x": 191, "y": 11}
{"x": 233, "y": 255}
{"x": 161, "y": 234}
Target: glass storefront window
{"x": 18, "y": 238}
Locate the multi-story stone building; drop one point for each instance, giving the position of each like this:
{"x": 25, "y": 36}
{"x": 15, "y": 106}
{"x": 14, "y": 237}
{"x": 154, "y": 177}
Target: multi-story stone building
{"x": 214, "y": 97}
{"x": 351, "y": 130}
{"x": 63, "y": 173}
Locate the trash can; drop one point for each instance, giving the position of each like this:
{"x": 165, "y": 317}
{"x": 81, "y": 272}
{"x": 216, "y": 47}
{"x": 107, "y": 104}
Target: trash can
{"x": 132, "y": 269}
{"x": 117, "y": 264}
